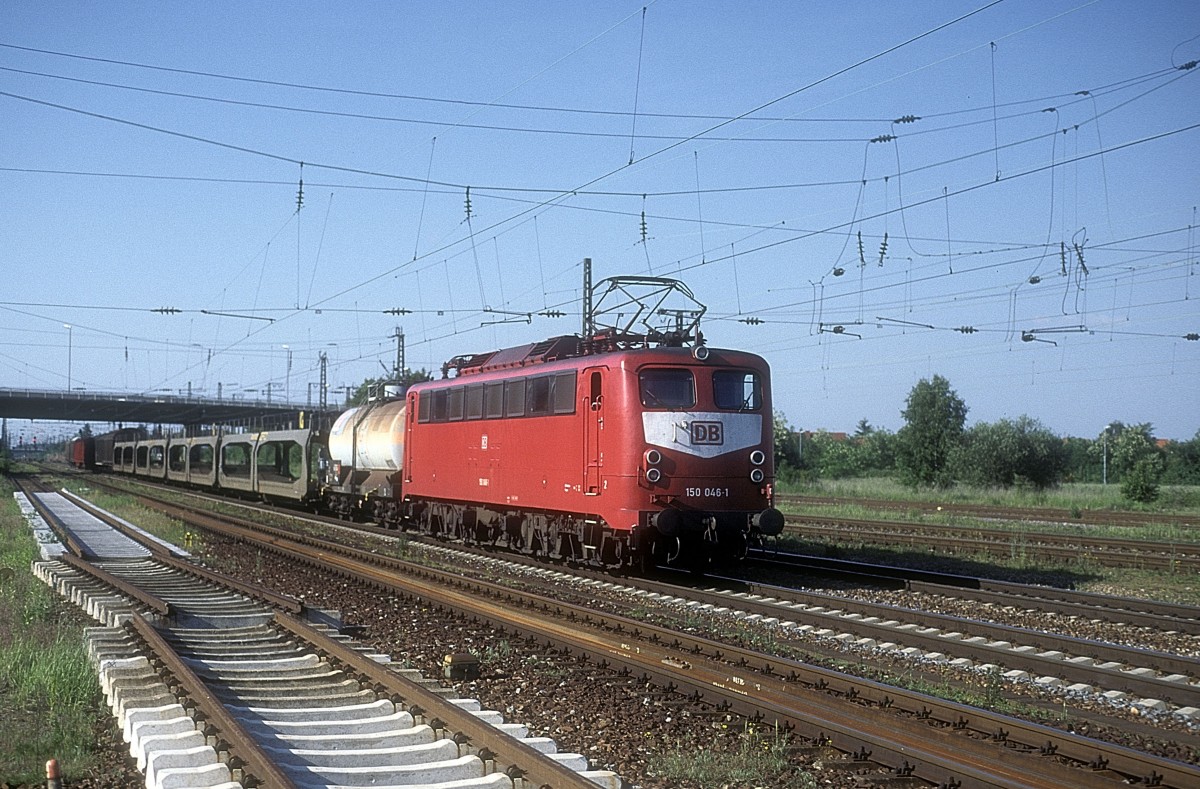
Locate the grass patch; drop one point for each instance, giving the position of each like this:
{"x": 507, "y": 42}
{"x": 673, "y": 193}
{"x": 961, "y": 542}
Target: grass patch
{"x": 752, "y": 759}
{"x": 1183, "y": 589}
{"x": 1177, "y": 499}
{"x": 396, "y": 545}
{"x": 1083, "y": 572}
{"x": 1156, "y": 532}
{"x": 165, "y": 528}
{"x": 48, "y": 690}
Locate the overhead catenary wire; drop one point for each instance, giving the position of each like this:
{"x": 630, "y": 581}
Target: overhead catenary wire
{"x": 967, "y": 189}
{"x": 734, "y": 250}
{"x": 424, "y": 198}
{"x": 426, "y": 183}
{"x": 637, "y": 87}
{"x": 320, "y": 246}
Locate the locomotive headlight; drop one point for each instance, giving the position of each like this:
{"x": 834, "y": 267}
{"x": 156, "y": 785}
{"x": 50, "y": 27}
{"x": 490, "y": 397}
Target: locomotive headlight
{"x": 653, "y": 475}
{"x": 756, "y": 475}
{"x": 758, "y": 457}
{"x": 700, "y": 352}
{"x": 652, "y": 457}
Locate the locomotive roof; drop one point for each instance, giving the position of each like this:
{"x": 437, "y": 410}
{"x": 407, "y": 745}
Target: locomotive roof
{"x": 534, "y": 353}
{"x": 554, "y": 349}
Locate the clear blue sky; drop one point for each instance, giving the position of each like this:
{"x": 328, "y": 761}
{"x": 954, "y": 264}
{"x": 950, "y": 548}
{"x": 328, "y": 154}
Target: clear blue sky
{"x": 1039, "y": 210}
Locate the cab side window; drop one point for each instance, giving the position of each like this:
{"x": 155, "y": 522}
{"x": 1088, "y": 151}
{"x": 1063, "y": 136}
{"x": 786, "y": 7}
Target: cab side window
{"x": 667, "y": 388}
{"x": 737, "y": 390}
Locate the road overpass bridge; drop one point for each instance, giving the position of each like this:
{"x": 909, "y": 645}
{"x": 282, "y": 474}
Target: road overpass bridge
{"x": 153, "y": 409}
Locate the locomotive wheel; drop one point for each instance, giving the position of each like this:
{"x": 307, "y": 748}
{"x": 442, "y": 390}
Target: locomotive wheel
{"x": 739, "y": 546}
{"x": 644, "y": 561}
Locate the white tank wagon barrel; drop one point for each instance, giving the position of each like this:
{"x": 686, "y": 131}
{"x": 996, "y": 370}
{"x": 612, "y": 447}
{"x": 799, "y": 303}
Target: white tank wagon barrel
{"x": 366, "y": 460}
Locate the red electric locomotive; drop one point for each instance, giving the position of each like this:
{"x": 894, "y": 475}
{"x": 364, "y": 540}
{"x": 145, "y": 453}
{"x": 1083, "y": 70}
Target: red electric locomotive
{"x": 613, "y": 457}
{"x": 615, "y": 447}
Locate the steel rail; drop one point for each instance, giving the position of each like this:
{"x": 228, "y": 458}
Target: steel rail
{"x": 168, "y": 557}
{"x": 1181, "y": 694}
{"x": 1147, "y": 613}
{"x": 259, "y": 768}
{"x": 517, "y": 759}
{"x": 1126, "y": 610}
{"x": 282, "y": 602}
{"x": 1175, "y": 557}
{"x": 1178, "y": 693}
{"x": 53, "y": 521}
{"x": 756, "y": 694}
{"x": 156, "y": 548}
{"x": 1016, "y": 734}
{"x": 155, "y": 604}
{"x": 675, "y": 660}
{"x": 1006, "y": 538}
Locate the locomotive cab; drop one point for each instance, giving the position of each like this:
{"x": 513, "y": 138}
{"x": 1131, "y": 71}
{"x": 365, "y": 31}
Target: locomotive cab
{"x": 705, "y": 463}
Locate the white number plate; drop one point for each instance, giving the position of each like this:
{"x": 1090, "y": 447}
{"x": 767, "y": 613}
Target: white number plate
{"x": 707, "y": 493}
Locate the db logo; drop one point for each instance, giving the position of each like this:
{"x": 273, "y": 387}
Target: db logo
{"x": 707, "y": 433}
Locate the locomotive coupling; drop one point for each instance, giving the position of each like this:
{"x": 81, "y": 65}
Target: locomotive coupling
{"x": 668, "y": 522}
{"x": 769, "y": 521}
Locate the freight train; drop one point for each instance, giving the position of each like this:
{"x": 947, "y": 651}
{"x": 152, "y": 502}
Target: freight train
{"x": 598, "y": 452}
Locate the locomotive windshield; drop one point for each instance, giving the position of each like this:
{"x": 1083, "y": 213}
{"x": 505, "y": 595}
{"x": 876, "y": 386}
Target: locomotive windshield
{"x": 667, "y": 388}
{"x": 737, "y": 390}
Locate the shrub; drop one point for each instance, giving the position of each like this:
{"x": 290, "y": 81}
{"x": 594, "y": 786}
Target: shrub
{"x": 1141, "y": 482}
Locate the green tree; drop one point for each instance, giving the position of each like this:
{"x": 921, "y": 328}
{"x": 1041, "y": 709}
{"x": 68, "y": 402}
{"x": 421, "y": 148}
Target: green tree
{"x": 1124, "y": 445}
{"x": 934, "y": 417}
{"x": 409, "y": 378}
{"x": 1132, "y": 444}
{"x": 878, "y": 450}
{"x": 1080, "y": 463}
{"x": 1183, "y": 462}
{"x": 835, "y": 458}
{"x": 85, "y": 431}
{"x": 1009, "y": 452}
{"x": 787, "y": 445}
{"x": 1140, "y": 483}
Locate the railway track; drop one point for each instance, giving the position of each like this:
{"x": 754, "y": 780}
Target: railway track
{"x": 1026, "y": 514}
{"x": 187, "y": 663}
{"x": 1062, "y": 549}
{"x": 1175, "y": 557}
{"x": 1134, "y": 612}
{"x": 1073, "y": 661}
{"x": 776, "y": 688}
